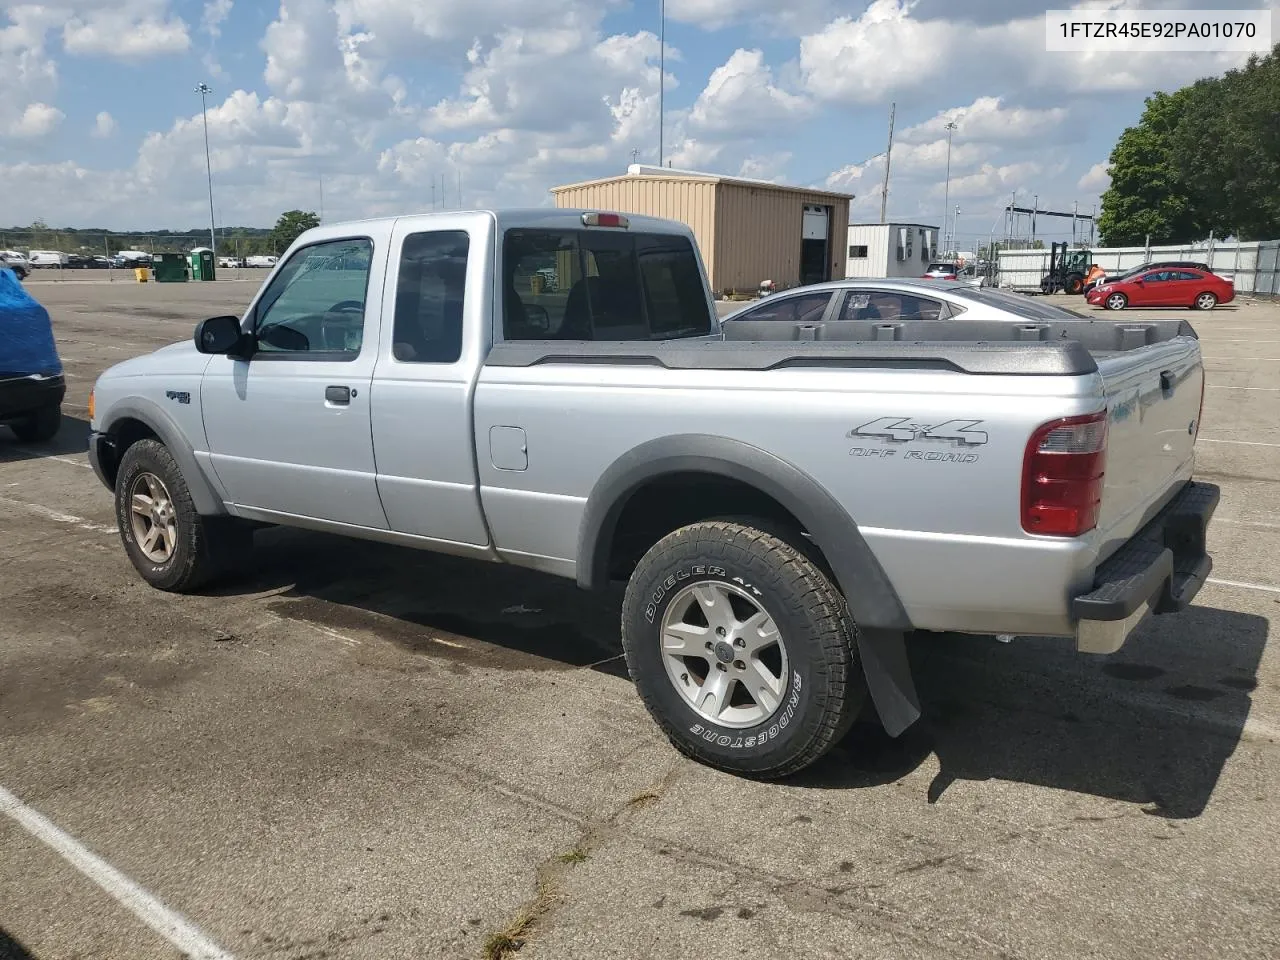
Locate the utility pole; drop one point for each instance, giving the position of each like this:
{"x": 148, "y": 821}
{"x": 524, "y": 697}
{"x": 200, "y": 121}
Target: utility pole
{"x": 322, "y": 198}
{"x": 662, "y": 71}
{"x": 433, "y": 194}
{"x": 204, "y": 90}
{"x": 946, "y": 193}
{"x": 888, "y": 155}
{"x": 459, "y": 188}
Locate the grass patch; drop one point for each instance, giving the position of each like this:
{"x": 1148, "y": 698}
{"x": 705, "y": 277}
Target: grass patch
{"x": 502, "y": 944}
{"x": 576, "y": 855}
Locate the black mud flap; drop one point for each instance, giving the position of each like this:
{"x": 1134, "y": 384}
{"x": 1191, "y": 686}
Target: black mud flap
{"x": 888, "y": 672}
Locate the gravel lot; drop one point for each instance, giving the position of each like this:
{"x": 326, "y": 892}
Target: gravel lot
{"x": 357, "y": 751}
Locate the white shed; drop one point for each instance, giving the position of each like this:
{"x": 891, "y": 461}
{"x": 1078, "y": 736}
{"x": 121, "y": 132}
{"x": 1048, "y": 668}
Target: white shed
{"x": 890, "y": 249}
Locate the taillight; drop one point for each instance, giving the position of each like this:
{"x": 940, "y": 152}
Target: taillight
{"x": 1062, "y": 473}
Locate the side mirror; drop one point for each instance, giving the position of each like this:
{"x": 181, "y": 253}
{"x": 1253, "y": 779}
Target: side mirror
{"x": 218, "y": 335}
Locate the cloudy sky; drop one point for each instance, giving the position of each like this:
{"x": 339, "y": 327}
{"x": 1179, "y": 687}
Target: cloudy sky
{"x": 100, "y": 124}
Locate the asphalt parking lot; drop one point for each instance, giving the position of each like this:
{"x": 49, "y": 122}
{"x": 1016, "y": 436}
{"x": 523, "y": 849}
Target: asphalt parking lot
{"x": 358, "y": 751}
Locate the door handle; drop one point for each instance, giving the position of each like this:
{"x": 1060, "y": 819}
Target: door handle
{"x": 1167, "y": 381}
{"x": 338, "y": 395}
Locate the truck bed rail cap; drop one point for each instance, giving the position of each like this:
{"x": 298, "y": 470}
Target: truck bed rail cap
{"x": 1036, "y": 358}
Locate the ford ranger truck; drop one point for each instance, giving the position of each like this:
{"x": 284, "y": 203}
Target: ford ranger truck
{"x": 551, "y": 389}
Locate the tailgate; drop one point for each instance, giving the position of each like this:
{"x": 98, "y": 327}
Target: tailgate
{"x": 1153, "y": 405}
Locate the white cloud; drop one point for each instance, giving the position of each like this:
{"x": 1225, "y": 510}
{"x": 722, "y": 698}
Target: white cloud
{"x": 1096, "y": 180}
{"x": 715, "y": 14}
{"x": 37, "y": 120}
{"x": 741, "y": 98}
{"x": 215, "y": 13}
{"x": 765, "y": 167}
{"x": 104, "y": 125}
{"x": 123, "y": 30}
{"x": 988, "y": 119}
{"x": 887, "y": 51}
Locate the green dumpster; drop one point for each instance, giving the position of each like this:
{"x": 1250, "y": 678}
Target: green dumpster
{"x": 201, "y": 263}
{"x": 169, "y": 268}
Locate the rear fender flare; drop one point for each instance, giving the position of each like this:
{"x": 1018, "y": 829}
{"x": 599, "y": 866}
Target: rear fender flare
{"x": 876, "y": 608}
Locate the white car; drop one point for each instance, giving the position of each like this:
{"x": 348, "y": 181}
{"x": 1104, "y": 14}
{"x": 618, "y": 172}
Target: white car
{"x": 47, "y": 258}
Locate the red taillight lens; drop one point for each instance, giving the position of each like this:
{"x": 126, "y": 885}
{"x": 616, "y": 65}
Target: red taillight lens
{"x": 1062, "y": 473}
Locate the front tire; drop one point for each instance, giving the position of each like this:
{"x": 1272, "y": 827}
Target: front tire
{"x": 741, "y": 648}
{"x": 1116, "y": 301}
{"x": 1206, "y": 301}
{"x": 169, "y": 543}
{"x": 40, "y": 426}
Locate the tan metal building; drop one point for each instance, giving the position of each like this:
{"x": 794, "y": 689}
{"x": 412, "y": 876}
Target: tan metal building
{"x": 747, "y": 230}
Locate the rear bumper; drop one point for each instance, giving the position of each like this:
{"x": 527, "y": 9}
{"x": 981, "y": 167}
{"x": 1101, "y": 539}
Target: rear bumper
{"x": 1159, "y": 570}
{"x": 21, "y": 394}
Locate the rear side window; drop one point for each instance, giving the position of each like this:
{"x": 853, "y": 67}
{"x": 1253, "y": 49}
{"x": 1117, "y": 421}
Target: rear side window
{"x": 601, "y": 285}
{"x": 430, "y": 285}
{"x": 889, "y": 306}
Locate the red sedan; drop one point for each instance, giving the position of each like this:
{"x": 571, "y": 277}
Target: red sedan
{"x": 1182, "y": 287}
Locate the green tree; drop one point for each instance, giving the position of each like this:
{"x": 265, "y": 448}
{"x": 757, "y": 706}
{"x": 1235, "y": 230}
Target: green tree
{"x": 291, "y": 225}
{"x": 1206, "y": 157}
{"x": 1147, "y": 194}
{"x": 1227, "y": 149}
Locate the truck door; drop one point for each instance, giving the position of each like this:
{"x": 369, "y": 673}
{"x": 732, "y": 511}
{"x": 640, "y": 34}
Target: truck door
{"x": 437, "y": 305}
{"x": 288, "y": 428}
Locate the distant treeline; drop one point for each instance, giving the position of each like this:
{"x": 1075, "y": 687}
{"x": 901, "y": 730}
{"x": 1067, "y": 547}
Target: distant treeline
{"x": 92, "y": 241}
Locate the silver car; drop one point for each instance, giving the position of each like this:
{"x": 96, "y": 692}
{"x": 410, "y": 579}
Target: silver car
{"x": 898, "y": 301}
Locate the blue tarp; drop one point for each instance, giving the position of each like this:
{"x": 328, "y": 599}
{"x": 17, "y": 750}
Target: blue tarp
{"x": 26, "y": 336}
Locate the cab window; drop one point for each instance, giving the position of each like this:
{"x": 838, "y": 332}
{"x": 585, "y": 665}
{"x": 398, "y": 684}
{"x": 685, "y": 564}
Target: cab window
{"x": 314, "y": 307}
{"x": 430, "y": 285}
{"x": 601, "y": 285}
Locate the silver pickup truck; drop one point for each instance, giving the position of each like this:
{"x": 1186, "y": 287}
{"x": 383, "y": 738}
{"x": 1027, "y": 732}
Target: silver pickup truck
{"x": 551, "y": 389}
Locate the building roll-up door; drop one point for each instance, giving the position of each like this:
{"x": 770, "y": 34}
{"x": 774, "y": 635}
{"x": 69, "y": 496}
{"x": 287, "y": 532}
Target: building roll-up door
{"x": 814, "y": 267}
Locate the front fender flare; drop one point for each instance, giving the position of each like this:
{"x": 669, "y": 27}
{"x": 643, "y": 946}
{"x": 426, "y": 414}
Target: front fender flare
{"x": 207, "y": 500}
{"x": 876, "y": 608}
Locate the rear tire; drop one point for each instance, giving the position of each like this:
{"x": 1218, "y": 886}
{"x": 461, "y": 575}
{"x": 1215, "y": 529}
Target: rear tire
{"x": 40, "y": 426}
{"x": 1206, "y": 301}
{"x": 169, "y": 543}
{"x": 1074, "y": 284}
{"x": 780, "y": 683}
{"x": 1116, "y": 301}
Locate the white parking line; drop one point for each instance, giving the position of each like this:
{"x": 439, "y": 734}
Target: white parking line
{"x": 1243, "y": 443}
{"x": 74, "y": 463}
{"x": 172, "y": 926}
{"x": 1264, "y": 588}
{"x": 69, "y": 518}
{"x": 1247, "y": 523}
{"x": 1223, "y": 386}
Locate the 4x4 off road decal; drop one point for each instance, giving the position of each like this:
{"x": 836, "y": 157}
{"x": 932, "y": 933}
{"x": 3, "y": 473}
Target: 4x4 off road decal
{"x": 897, "y": 432}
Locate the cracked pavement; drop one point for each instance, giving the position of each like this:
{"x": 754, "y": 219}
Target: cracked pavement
{"x": 358, "y": 751}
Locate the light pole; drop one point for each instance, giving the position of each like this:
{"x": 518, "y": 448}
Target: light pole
{"x": 204, "y": 91}
{"x": 662, "y": 70}
{"x": 946, "y": 196}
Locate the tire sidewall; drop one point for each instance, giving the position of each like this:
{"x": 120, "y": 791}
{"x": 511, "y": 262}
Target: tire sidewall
{"x": 764, "y": 746}
{"x": 147, "y": 456}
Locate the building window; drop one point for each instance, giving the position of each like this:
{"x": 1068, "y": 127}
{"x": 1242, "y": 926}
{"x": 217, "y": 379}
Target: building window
{"x": 857, "y": 253}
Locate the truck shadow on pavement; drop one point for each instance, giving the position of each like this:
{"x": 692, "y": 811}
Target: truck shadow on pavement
{"x": 11, "y": 949}
{"x": 1153, "y": 724}
{"x": 71, "y": 438}
{"x": 463, "y": 611}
